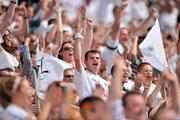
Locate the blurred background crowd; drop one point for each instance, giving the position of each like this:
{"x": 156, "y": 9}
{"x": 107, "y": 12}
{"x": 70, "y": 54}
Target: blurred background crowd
{"x": 112, "y": 82}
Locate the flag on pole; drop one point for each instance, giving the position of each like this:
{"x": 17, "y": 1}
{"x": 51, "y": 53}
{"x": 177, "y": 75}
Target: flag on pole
{"x": 152, "y": 48}
{"x": 50, "y": 69}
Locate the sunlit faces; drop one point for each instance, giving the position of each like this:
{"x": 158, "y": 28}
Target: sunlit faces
{"x": 123, "y": 36}
{"x": 30, "y": 11}
{"x": 68, "y": 75}
{"x": 24, "y": 94}
{"x": 147, "y": 71}
{"x": 93, "y": 62}
{"x": 126, "y": 72}
{"x": 55, "y": 94}
{"x": 67, "y": 36}
{"x": 135, "y": 107}
{"x": 67, "y": 53}
{"x": 95, "y": 110}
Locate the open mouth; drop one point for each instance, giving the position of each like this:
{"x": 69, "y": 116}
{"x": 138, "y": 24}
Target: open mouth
{"x": 95, "y": 64}
{"x": 70, "y": 54}
{"x": 125, "y": 75}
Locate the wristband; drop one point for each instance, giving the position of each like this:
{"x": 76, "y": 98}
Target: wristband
{"x": 146, "y": 87}
{"x": 78, "y": 36}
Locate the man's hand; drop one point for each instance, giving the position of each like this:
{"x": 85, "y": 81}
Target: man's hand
{"x": 168, "y": 75}
{"x": 27, "y": 41}
{"x": 82, "y": 10}
{"x": 138, "y": 81}
{"x": 124, "y": 4}
{"x": 153, "y": 13}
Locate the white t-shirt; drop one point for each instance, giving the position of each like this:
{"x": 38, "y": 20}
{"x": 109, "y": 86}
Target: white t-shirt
{"x": 14, "y": 112}
{"x": 7, "y": 60}
{"x": 129, "y": 85}
{"x": 151, "y": 89}
{"x": 112, "y": 49}
{"x": 168, "y": 21}
{"x": 86, "y": 81}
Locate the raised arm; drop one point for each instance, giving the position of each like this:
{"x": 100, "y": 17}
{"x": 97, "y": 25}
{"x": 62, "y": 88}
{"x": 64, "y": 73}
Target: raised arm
{"x": 25, "y": 28}
{"x": 167, "y": 75}
{"x": 78, "y": 51}
{"x": 27, "y": 65}
{"x": 134, "y": 48}
{"x": 51, "y": 34}
{"x": 116, "y": 83}
{"x": 89, "y": 36}
{"x": 116, "y": 24}
{"x": 154, "y": 94}
{"x": 8, "y": 18}
{"x": 142, "y": 29}
{"x": 59, "y": 35}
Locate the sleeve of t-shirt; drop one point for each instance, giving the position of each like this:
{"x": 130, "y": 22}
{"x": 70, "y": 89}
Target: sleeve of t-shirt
{"x": 82, "y": 85}
{"x": 111, "y": 44}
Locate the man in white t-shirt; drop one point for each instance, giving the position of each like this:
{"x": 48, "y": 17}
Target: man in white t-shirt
{"x": 117, "y": 42}
{"x": 86, "y": 80}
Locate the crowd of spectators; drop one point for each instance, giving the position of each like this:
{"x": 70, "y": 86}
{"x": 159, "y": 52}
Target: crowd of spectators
{"x": 109, "y": 79}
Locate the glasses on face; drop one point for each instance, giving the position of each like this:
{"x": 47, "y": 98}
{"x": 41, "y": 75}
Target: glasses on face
{"x": 68, "y": 48}
{"x": 69, "y": 76}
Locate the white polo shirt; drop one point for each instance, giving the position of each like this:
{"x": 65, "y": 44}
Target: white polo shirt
{"x": 86, "y": 81}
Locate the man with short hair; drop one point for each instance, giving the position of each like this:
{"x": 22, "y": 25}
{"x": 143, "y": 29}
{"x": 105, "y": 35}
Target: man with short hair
{"x": 134, "y": 106}
{"x": 94, "y": 108}
{"x": 87, "y": 80}
{"x": 68, "y": 75}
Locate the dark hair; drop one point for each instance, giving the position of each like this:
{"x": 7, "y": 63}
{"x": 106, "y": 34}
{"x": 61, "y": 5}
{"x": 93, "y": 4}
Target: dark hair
{"x": 59, "y": 55}
{"x": 124, "y": 98}
{"x": 32, "y": 52}
{"x": 114, "y": 9}
{"x": 141, "y": 65}
{"x": 91, "y": 100}
{"x": 90, "y": 51}
{"x": 51, "y": 21}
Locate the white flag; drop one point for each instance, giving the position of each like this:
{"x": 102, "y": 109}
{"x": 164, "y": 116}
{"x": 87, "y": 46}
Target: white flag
{"x": 152, "y": 48}
{"x": 50, "y": 69}
{"x": 7, "y": 60}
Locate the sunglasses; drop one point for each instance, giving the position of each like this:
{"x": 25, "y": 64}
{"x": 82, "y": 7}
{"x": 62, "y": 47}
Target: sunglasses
{"x": 69, "y": 76}
{"x": 68, "y": 48}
